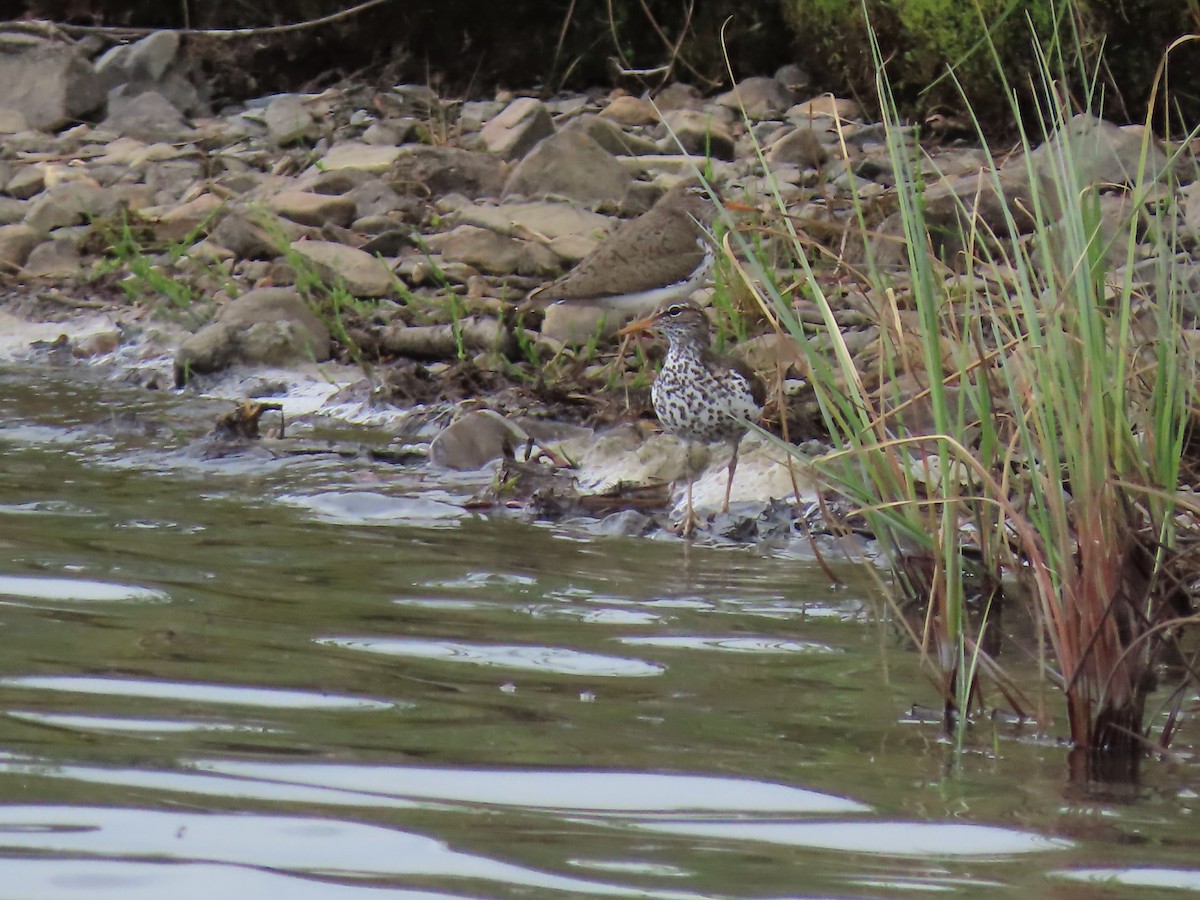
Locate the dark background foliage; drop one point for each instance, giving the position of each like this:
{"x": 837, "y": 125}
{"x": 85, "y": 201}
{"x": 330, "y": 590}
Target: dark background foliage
{"x": 472, "y": 47}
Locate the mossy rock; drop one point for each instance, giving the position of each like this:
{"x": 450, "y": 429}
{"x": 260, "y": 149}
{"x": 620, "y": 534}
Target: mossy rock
{"x": 921, "y": 39}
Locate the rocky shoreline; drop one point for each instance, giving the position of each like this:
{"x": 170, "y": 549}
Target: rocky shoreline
{"x": 366, "y": 253}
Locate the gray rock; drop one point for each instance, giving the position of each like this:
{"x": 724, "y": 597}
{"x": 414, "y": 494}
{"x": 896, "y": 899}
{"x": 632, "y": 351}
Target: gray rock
{"x": 49, "y": 83}
{"x": 435, "y": 171}
{"x": 542, "y": 217}
{"x": 800, "y": 146}
{"x": 257, "y": 235}
{"x": 630, "y": 111}
{"x": 271, "y": 326}
{"x": 1101, "y": 153}
{"x": 376, "y": 198}
{"x": 611, "y": 136}
{"x": 696, "y": 132}
{"x": 494, "y": 253}
{"x": 313, "y": 209}
{"x": 12, "y": 121}
{"x": 758, "y": 96}
{"x": 572, "y": 165}
{"x": 11, "y": 210}
{"x": 57, "y": 259}
{"x": 793, "y": 76}
{"x": 288, "y": 120}
{"x": 26, "y": 182}
{"x": 148, "y": 116}
{"x": 16, "y": 243}
{"x": 338, "y": 264}
{"x": 475, "y": 440}
{"x": 357, "y": 155}
{"x": 68, "y": 203}
{"x": 678, "y": 96}
{"x": 146, "y": 60}
{"x": 518, "y": 129}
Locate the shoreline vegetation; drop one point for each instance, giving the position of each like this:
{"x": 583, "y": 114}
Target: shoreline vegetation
{"x": 984, "y": 355}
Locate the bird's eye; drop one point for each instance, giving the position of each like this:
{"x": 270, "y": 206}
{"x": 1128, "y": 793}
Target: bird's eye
{"x": 676, "y": 311}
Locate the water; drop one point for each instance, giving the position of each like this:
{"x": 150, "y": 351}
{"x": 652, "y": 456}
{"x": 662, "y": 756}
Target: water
{"x": 318, "y": 677}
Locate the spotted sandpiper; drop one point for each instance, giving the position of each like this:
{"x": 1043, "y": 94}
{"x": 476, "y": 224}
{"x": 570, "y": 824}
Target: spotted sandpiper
{"x": 700, "y": 395}
{"x": 660, "y": 256}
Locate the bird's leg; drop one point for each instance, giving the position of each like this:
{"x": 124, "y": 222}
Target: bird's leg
{"x": 732, "y": 468}
{"x": 689, "y": 517}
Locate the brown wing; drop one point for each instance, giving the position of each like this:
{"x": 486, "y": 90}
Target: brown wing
{"x": 644, "y": 253}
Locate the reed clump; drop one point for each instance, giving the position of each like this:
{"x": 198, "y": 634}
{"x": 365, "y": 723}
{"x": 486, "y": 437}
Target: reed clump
{"x": 1020, "y": 430}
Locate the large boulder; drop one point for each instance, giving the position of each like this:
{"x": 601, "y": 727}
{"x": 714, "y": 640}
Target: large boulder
{"x": 48, "y": 82}
{"x": 271, "y": 326}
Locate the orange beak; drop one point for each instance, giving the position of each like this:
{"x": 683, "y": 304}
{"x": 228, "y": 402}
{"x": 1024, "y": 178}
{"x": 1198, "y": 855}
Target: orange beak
{"x": 636, "y": 327}
{"x": 735, "y": 206}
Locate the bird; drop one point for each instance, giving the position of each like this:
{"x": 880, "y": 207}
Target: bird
{"x": 660, "y": 256}
{"x": 700, "y": 395}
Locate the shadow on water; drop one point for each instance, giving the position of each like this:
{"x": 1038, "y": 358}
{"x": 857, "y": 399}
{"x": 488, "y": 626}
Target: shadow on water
{"x": 322, "y": 678}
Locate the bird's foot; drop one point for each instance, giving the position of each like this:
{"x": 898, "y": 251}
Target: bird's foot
{"x": 686, "y": 526}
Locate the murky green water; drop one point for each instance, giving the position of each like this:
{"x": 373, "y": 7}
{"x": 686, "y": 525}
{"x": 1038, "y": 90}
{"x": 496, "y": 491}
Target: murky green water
{"x": 319, "y": 678}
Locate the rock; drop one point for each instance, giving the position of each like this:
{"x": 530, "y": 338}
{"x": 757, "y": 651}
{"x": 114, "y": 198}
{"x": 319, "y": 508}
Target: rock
{"x": 696, "y": 132}
{"x": 68, "y": 203}
{"x": 518, "y": 129}
{"x": 356, "y": 155}
{"x": 337, "y": 264}
{"x": 288, "y": 120}
{"x": 948, "y": 207}
{"x": 54, "y": 260}
{"x": 272, "y": 326}
{"x": 257, "y": 235}
{"x": 47, "y": 82}
{"x": 391, "y": 133}
{"x": 475, "y": 440}
{"x": 624, "y": 456}
{"x": 12, "y": 121}
{"x": 572, "y": 165}
{"x": 148, "y": 116}
{"x": 437, "y": 171}
{"x": 759, "y": 97}
{"x": 26, "y": 182}
{"x": 376, "y": 198}
{"x": 494, "y": 253}
{"x": 793, "y": 76}
{"x": 197, "y": 216}
{"x": 677, "y": 96}
{"x": 800, "y": 146}
{"x": 824, "y": 107}
{"x": 610, "y": 136}
{"x": 1101, "y": 153}
{"x": 631, "y": 111}
{"x": 577, "y": 324}
{"x": 153, "y": 64}
{"x": 11, "y": 211}
{"x": 146, "y": 60}
{"x": 16, "y": 243}
{"x": 314, "y": 209}
{"x": 542, "y": 217}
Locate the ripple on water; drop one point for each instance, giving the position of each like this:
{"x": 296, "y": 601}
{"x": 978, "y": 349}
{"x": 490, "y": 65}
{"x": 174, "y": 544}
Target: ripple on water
{"x": 557, "y": 660}
{"x": 34, "y": 587}
{"x": 110, "y": 725}
{"x": 370, "y": 508}
{"x": 1137, "y": 876}
{"x": 88, "y": 879}
{"x": 190, "y": 692}
{"x": 265, "y": 842}
{"x": 575, "y": 791}
{"x": 736, "y": 644}
{"x": 934, "y": 840}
